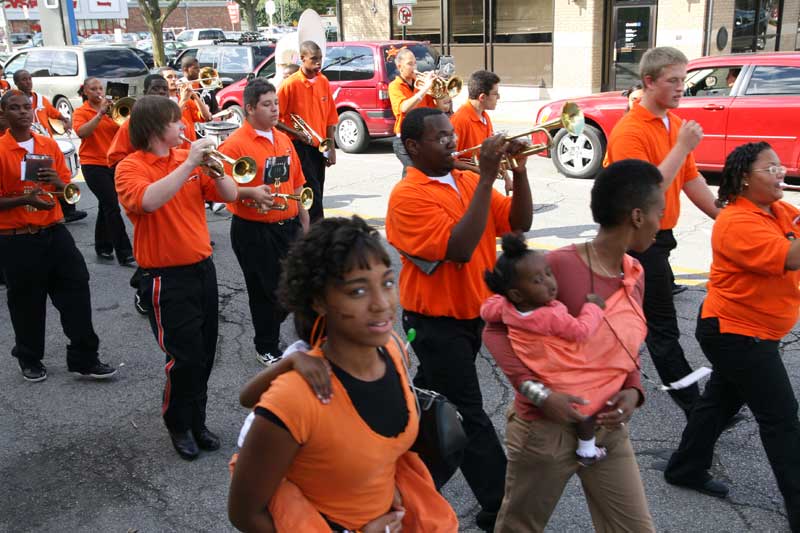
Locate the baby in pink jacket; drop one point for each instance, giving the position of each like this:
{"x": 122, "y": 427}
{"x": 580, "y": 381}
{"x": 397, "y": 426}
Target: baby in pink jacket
{"x": 525, "y": 301}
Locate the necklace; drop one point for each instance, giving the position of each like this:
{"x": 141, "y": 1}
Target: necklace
{"x": 604, "y": 271}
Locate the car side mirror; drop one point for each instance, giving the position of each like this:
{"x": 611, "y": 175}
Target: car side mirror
{"x": 250, "y": 76}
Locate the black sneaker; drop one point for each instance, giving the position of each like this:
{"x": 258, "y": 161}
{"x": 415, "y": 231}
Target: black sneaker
{"x": 141, "y": 307}
{"x": 75, "y": 216}
{"x": 32, "y": 371}
{"x": 98, "y": 370}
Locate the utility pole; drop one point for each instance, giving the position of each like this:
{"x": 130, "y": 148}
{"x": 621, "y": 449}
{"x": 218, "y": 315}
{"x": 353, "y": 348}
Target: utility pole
{"x": 186, "y": 12}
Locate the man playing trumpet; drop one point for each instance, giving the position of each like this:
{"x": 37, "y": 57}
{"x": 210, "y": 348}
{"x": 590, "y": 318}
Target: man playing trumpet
{"x": 37, "y": 254}
{"x": 194, "y": 108}
{"x": 307, "y": 93}
{"x": 261, "y": 234}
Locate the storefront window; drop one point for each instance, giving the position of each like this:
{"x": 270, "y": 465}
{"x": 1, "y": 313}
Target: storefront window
{"x": 523, "y": 21}
{"x": 755, "y": 25}
{"x": 426, "y": 25}
{"x": 466, "y": 21}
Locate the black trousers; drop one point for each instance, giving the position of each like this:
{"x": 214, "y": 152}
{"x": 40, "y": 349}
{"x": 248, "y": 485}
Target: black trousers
{"x": 313, "y": 163}
{"x": 259, "y": 248}
{"x": 48, "y": 264}
{"x": 747, "y": 370}
{"x": 184, "y": 318}
{"x": 663, "y": 336}
{"x": 109, "y": 228}
{"x": 401, "y": 153}
{"x": 447, "y": 349}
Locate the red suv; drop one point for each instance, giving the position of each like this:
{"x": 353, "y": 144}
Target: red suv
{"x": 736, "y": 99}
{"x": 359, "y": 72}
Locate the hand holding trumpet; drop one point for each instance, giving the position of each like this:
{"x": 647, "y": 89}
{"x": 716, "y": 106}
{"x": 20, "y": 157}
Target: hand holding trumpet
{"x": 259, "y": 197}
{"x": 497, "y": 149}
{"x": 39, "y": 200}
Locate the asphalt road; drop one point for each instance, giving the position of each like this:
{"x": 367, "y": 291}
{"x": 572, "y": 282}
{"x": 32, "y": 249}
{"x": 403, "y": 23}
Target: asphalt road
{"x": 76, "y": 455}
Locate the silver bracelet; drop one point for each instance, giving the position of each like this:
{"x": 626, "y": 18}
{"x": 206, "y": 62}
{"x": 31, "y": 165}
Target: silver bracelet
{"x": 536, "y": 392}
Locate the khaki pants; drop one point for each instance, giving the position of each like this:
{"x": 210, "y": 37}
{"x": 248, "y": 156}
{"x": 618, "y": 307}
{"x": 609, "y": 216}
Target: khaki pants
{"x": 541, "y": 459}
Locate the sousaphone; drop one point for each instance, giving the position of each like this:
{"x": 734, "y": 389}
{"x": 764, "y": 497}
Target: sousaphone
{"x": 309, "y": 28}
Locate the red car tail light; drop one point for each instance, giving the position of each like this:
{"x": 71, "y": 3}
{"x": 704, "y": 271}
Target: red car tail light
{"x": 383, "y": 91}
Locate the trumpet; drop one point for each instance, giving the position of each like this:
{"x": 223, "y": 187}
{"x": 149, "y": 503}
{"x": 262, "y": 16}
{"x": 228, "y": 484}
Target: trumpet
{"x": 302, "y": 126}
{"x": 208, "y": 79}
{"x": 71, "y": 194}
{"x": 571, "y": 119}
{"x": 243, "y": 169}
{"x": 302, "y": 135}
{"x": 786, "y": 187}
{"x": 441, "y": 87}
{"x": 306, "y": 199}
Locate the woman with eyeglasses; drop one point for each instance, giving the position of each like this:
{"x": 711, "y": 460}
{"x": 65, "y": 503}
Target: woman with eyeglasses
{"x": 752, "y": 303}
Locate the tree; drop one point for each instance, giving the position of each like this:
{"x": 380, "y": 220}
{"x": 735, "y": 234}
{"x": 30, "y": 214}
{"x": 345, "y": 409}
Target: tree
{"x": 155, "y": 17}
{"x": 250, "y": 8}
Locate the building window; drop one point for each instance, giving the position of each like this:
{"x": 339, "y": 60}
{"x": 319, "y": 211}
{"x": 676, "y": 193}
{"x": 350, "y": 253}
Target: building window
{"x": 466, "y": 21}
{"x": 523, "y": 21}
{"x": 755, "y": 25}
{"x": 427, "y": 22}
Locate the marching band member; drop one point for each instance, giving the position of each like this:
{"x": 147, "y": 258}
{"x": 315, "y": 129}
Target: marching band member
{"x": 37, "y": 254}
{"x": 307, "y": 93}
{"x": 261, "y": 239}
{"x": 193, "y": 106}
{"x": 451, "y": 219}
{"x": 96, "y": 130}
{"x": 4, "y": 85}
{"x": 163, "y": 191}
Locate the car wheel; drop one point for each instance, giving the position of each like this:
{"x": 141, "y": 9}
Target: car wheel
{"x": 352, "y": 135}
{"x": 579, "y": 156}
{"x": 63, "y": 106}
{"x": 236, "y": 116}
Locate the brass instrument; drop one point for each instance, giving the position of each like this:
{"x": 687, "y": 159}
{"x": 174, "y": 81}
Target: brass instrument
{"x": 441, "y": 87}
{"x": 306, "y": 199}
{"x": 571, "y": 119}
{"x": 71, "y": 194}
{"x": 57, "y": 125}
{"x": 786, "y": 187}
{"x": 208, "y": 79}
{"x": 301, "y": 125}
{"x": 120, "y": 110}
{"x": 301, "y": 135}
{"x": 243, "y": 169}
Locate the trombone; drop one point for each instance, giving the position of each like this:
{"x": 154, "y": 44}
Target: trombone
{"x": 121, "y": 109}
{"x": 571, "y": 119}
{"x": 243, "y": 170}
{"x": 302, "y": 126}
{"x": 441, "y": 87}
{"x": 208, "y": 79}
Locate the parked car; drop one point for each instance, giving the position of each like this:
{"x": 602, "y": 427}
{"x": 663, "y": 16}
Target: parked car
{"x": 360, "y": 73}
{"x": 144, "y": 55}
{"x": 762, "y": 105}
{"x": 233, "y": 61}
{"x": 98, "y": 39}
{"x": 170, "y": 48}
{"x": 21, "y": 39}
{"x": 129, "y": 38}
{"x": 200, "y": 36}
{"x": 58, "y": 72}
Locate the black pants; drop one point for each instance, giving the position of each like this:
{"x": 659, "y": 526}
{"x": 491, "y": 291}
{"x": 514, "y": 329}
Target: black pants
{"x": 184, "y": 317}
{"x": 663, "y": 336}
{"x": 66, "y": 208}
{"x": 747, "y": 370}
{"x": 109, "y": 228}
{"x": 259, "y": 248}
{"x": 48, "y": 264}
{"x": 446, "y": 349}
{"x": 401, "y": 153}
{"x": 313, "y": 163}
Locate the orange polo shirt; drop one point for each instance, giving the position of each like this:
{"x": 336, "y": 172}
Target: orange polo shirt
{"x": 94, "y": 148}
{"x": 176, "y": 233}
{"x": 312, "y": 100}
{"x": 190, "y": 113}
{"x": 43, "y": 110}
{"x": 11, "y": 183}
{"x": 641, "y": 135}
{"x": 421, "y": 215}
{"x": 399, "y": 92}
{"x": 4, "y": 85}
{"x": 121, "y": 146}
{"x": 246, "y": 141}
{"x": 749, "y": 289}
{"x": 472, "y": 129}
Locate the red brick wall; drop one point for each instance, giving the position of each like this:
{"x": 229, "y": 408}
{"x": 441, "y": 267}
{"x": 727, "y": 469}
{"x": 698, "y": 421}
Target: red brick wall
{"x": 199, "y": 17}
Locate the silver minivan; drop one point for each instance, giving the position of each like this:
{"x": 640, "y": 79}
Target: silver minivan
{"x": 58, "y": 71}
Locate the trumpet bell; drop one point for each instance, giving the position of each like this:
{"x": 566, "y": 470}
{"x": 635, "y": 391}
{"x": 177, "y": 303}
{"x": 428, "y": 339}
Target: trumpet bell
{"x": 121, "y": 110}
{"x": 306, "y": 198}
{"x": 572, "y": 118}
{"x": 244, "y": 170}
{"x": 454, "y": 86}
{"x": 72, "y": 194}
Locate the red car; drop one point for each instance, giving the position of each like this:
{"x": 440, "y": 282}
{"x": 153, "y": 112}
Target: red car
{"x": 359, "y": 72}
{"x": 761, "y": 104}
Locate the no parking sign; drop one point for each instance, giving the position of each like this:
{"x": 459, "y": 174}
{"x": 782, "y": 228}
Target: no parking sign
{"x": 404, "y": 15}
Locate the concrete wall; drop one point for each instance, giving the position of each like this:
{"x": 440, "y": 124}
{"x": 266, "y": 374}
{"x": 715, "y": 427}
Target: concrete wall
{"x": 366, "y": 20}
{"x": 577, "y": 46}
{"x": 680, "y": 24}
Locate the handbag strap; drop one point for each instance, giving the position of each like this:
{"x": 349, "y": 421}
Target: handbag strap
{"x": 406, "y": 360}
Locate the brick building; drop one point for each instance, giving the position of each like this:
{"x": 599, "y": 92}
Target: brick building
{"x": 192, "y": 14}
{"x": 568, "y": 47}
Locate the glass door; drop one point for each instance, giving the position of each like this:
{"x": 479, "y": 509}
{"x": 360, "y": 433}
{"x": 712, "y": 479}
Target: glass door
{"x": 633, "y": 34}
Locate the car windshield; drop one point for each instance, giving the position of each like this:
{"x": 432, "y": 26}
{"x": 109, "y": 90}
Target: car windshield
{"x": 426, "y": 56}
{"x": 115, "y": 63}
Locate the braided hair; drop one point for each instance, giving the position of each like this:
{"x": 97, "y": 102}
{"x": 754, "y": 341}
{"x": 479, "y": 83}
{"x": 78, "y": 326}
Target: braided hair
{"x": 332, "y": 247}
{"x": 504, "y": 276}
{"x": 737, "y": 164}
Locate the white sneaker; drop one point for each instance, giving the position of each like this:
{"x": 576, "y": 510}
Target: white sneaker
{"x": 267, "y": 359}
{"x": 217, "y": 207}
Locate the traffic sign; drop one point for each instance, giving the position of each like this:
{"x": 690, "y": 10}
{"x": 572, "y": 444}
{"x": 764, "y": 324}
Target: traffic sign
{"x": 269, "y": 7}
{"x": 404, "y": 15}
{"x": 233, "y": 12}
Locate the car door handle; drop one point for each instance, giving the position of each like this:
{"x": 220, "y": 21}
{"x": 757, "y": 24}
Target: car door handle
{"x": 714, "y": 107}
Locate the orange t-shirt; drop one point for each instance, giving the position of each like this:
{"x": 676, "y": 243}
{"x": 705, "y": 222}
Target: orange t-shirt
{"x": 642, "y": 135}
{"x": 176, "y": 233}
{"x": 43, "y": 110}
{"x": 344, "y": 468}
{"x": 94, "y": 148}
{"x": 421, "y": 215}
{"x": 246, "y": 141}
{"x": 472, "y": 129}
{"x": 312, "y": 100}
{"x": 11, "y": 182}
{"x": 399, "y": 92}
{"x": 121, "y": 146}
{"x": 749, "y": 288}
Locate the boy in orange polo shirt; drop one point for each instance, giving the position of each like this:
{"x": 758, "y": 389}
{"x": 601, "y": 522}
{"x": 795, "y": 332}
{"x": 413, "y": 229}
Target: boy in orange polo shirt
{"x": 651, "y": 132}
{"x": 261, "y": 238}
{"x": 404, "y": 97}
{"x": 37, "y": 253}
{"x": 307, "y": 93}
{"x": 449, "y": 220}
{"x": 163, "y": 193}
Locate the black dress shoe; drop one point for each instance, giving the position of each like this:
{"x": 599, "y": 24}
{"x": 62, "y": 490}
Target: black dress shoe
{"x": 184, "y": 444}
{"x": 206, "y": 440}
{"x": 710, "y": 487}
{"x": 74, "y": 216}
{"x": 128, "y": 261}
{"x": 677, "y": 289}
{"x": 109, "y": 256}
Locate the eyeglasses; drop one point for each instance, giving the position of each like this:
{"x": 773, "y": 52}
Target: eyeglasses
{"x": 774, "y": 170}
{"x": 444, "y": 140}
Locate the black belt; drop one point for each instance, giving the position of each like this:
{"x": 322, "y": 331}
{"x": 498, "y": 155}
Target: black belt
{"x": 30, "y": 229}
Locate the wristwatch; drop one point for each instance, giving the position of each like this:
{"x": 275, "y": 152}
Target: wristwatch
{"x": 536, "y": 392}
